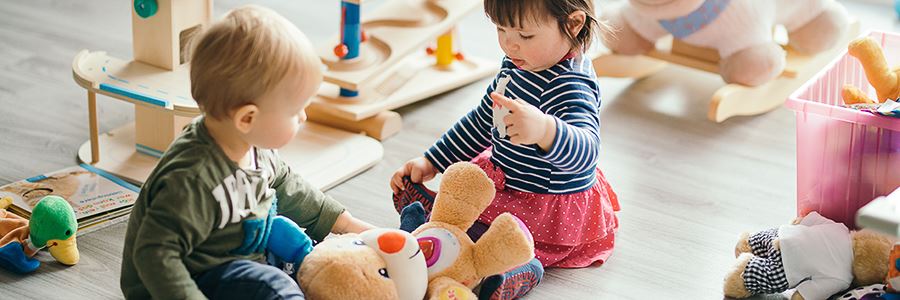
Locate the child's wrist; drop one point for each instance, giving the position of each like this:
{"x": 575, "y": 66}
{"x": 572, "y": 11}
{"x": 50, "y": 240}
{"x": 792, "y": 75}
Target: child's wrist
{"x": 346, "y": 223}
{"x": 549, "y": 133}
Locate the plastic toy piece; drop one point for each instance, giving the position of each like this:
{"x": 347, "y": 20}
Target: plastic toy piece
{"x": 444, "y": 51}
{"x": 156, "y": 82}
{"x": 882, "y": 214}
{"x": 897, "y": 7}
{"x": 500, "y": 111}
{"x": 145, "y": 8}
{"x": 893, "y": 276}
{"x": 351, "y": 37}
{"x": 732, "y": 99}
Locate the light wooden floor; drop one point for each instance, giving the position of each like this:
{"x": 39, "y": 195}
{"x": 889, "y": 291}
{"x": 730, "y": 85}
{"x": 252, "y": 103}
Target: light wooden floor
{"x": 687, "y": 186}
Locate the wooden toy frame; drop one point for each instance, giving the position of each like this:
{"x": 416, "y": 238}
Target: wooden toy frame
{"x": 156, "y": 82}
{"x": 732, "y": 99}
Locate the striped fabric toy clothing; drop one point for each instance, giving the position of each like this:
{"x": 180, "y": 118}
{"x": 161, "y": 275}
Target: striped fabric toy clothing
{"x": 568, "y": 91}
{"x": 765, "y": 271}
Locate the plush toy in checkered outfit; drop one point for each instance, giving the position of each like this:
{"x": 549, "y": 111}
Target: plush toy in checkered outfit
{"x": 813, "y": 255}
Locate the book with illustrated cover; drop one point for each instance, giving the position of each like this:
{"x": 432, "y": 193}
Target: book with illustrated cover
{"x": 95, "y": 195}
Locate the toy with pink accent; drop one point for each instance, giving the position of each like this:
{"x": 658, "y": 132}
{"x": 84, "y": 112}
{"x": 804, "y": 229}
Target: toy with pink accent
{"x": 845, "y": 157}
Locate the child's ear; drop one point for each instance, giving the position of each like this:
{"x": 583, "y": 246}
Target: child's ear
{"x": 576, "y": 22}
{"x": 244, "y": 117}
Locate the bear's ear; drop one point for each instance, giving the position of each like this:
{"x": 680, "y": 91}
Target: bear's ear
{"x": 465, "y": 192}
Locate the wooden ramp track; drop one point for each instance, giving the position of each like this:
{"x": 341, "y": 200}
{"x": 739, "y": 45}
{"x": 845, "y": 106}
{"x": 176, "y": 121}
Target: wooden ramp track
{"x": 393, "y": 70}
{"x": 732, "y": 99}
{"x": 395, "y": 30}
{"x": 417, "y": 79}
{"x": 323, "y": 155}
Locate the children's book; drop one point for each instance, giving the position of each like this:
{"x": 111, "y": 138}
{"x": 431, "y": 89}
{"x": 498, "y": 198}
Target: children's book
{"x": 94, "y": 194}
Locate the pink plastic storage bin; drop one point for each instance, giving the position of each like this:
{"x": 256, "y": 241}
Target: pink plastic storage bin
{"x": 845, "y": 158}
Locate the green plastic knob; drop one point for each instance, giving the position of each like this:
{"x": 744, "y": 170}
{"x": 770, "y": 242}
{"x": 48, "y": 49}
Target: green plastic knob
{"x": 145, "y": 8}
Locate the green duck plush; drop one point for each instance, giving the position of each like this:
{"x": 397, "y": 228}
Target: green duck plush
{"x": 52, "y": 226}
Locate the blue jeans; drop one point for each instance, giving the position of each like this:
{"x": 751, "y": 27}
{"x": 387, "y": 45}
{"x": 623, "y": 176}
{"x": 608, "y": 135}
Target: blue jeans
{"x": 245, "y": 279}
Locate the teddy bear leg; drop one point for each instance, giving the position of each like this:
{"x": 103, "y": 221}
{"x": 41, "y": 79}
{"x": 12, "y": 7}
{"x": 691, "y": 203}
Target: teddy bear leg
{"x": 822, "y": 32}
{"x": 625, "y": 40}
{"x": 734, "y": 280}
{"x": 753, "y": 275}
{"x": 753, "y": 66}
{"x": 852, "y": 95}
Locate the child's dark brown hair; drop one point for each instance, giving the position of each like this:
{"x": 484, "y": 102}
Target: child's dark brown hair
{"x": 515, "y": 13}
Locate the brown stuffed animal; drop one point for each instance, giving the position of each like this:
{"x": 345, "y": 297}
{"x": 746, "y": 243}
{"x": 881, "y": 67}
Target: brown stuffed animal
{"x": 360, "y": 266}
{"x": 814, "y": 255}
{"x": 885, "y": 81}
{"x": 455, "y": 263}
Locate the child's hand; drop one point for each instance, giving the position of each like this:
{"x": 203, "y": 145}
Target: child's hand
{"x": 419, "y": 170}
{"x": 347, "y": 223}
{"x": 526, "y": 124}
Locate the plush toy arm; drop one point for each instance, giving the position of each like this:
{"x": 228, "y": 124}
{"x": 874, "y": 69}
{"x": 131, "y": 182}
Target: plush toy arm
{"x": 734, "y": 281}
{"x": 882, "y": 78}
{"x": 505, "y": 245}
{"x": 444, "y": 288}
{"x": 852, "y": 95}
{"x": 13, "y": 258}
{"x": 287, "y": 241}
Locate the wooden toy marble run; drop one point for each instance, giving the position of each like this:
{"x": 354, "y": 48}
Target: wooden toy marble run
{"x": 373, "y": 68}
{"x": 377, "y": 64}
{"x": 156, "y": 81}
{"x": 732, "y": 99}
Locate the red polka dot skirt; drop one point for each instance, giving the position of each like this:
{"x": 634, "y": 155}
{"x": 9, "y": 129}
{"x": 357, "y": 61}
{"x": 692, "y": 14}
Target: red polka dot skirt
{"x": 570, "y": 230}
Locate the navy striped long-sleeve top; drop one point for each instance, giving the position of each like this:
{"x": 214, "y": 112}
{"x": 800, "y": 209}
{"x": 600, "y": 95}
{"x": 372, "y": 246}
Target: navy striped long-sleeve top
{"x": 568, "y": 91}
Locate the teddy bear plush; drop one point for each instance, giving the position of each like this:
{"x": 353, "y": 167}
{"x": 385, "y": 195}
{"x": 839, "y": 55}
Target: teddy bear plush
{"x": 885, "y": 81}
{"x": 437, "y": 261}
{"x": 814, "y": 255}
{"x": 455, "y": 263}
{"x": 741, "y": 31}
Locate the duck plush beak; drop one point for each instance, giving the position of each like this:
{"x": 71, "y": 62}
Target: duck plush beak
{"x": 64, "y": 251}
